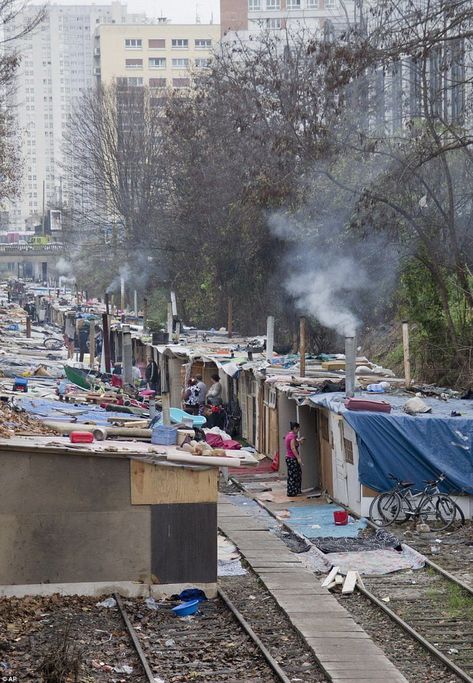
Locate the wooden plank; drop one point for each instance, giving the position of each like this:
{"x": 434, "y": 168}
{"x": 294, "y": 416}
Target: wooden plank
{"x": 155, "y": 485}
{"x": 331, "y": 577}
{"x": 350, "y": 582}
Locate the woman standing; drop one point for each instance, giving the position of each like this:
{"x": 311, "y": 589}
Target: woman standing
{"x": 214, "y": 394}
{"x": 293, "y": 461}
{"x": 190, "y": 397}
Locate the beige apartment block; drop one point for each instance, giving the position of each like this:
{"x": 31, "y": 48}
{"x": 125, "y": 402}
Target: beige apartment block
{"x": 157, "y": 55}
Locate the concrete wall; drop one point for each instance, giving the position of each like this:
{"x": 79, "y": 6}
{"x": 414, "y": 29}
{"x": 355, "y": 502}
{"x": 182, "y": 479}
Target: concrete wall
{"x": 68, "y": 518}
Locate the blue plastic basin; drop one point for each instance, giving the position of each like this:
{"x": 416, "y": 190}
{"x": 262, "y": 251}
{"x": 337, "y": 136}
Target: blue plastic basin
{"x": 178, "y": 416}
{"x": 186, "y": 608}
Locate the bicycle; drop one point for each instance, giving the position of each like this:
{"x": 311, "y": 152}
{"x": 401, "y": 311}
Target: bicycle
{"x": 430, "y": 506}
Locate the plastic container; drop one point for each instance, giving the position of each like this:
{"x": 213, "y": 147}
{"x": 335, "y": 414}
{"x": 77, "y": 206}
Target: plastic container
{"x": 340, "y": 517}
{"x": 186, "y": 608}
{"x": 20, "y": 384}
{"x": 81, "y": 437}
{"x": 164, "y": 436}
{"x": 375, "y": 388}
{"x": 368, "y": 404}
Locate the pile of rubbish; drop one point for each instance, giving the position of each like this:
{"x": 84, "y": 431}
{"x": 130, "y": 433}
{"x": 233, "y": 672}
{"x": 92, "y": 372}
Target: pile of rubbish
{"x": 15, "y": 421}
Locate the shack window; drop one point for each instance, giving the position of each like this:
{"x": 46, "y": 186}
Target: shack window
{"x": 348, "y": 446}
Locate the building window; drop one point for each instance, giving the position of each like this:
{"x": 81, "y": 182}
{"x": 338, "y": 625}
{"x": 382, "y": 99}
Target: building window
{"x": 180, "y": 63}
{"x": 273, "y": 4}
{"x": 330, "y": 4}
{"x": 134, "y": 63}
{"x": 157, "y": 62}
{"x": 157, "y": 83}
{"x": 202, "y": 63}
{"x": 254, "y": 5}
{"x": 296, "y": 4}
{"x": 274, "y": 23}
{"x": 131, "y": 81}
{"x": 313, "y": 4}
{"x": 181, "y": 43}
{"x": 181, "y": 82}
{"x": 203, "y": 43}
{"x": 133, "y": 43}
{"x": 157, "y": 44}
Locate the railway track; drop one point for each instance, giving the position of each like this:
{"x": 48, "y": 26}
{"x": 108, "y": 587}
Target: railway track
{"x": 217, "y": 645}
{"x": 433, "y": 605}
{"x": 435, "y": 610}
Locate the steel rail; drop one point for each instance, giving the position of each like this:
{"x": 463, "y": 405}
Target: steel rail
{"x": 259, "y": 644}
{"x": 420, "y": 639}
{"x": 136, "y": 643}
{"x": 238, "y": 616}
{"x": 412, "y": 632}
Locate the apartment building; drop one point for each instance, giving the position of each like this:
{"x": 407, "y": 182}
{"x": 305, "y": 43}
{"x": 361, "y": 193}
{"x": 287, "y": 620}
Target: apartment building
{"x": 247, "y": 17}
{"x": 56, "y": 68}
{"x": 156, "y": 55}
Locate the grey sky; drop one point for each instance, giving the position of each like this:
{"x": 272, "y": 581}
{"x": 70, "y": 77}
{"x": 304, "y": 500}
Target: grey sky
{"x": 178, "y": 11}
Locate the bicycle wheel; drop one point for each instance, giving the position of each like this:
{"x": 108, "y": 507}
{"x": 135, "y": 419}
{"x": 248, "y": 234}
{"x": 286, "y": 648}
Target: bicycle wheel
{"x": 53, "y": 344}
{"x": 385, "y": 509}
{"x": 438, "y": 511}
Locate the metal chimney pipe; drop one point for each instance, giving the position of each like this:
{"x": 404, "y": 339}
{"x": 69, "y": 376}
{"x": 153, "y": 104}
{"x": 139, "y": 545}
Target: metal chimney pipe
{"x": 269, "y": 338}
{"x": 350, "y": 366}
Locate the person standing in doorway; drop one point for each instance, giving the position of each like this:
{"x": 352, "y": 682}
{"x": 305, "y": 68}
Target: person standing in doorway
{"x": 202, "y": 393}
{"x": 293, "y": 461}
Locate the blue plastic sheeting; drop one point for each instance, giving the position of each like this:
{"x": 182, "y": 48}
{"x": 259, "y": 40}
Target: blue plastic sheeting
{"x": 66, "y": 412}
{"x": 413, "y": 449}
{"x": 316, "y": 521}
{"x": 334, "y": 401}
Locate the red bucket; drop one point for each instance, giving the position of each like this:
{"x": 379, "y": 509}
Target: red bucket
{"x": 340, "y": 517}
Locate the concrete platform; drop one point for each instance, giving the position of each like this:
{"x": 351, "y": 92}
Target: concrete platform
{"x": 343, "y": 649}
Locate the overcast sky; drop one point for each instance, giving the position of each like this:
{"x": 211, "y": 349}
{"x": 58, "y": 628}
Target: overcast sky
{"x": 179, "y": 11}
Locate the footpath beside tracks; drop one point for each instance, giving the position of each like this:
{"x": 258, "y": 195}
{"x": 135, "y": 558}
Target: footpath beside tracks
{"x": 432, "y": 605}
{"x": 344, "y": 651}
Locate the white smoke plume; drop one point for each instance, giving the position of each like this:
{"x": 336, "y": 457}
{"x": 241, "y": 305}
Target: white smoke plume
{"x": 320, "y": 291}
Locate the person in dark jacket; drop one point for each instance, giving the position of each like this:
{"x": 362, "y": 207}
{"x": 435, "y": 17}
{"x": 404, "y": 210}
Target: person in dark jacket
{"x": 153, "y": 376}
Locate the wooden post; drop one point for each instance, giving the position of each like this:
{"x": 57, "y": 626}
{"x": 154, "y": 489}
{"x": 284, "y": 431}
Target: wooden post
{"x": 92, "y": 344}
{"x": 145, "y": 314}
{"x": 127, "y": 355}
{"x": 135, "y": 302}
{"x": 166, "y": 404}
{"x": 302, "y": 343}
{"x": 170, "y": 320}
{"x": 106, "y": 339}
{"x": 107, "y": 303}
{"x": 230, "y": 318}
{"x": 28, "y": 326}
{"x": 407, "y": 357}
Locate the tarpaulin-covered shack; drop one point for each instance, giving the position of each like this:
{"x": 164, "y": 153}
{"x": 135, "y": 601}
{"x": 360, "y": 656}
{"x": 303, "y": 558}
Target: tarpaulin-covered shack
{"x": 359, "y": 450}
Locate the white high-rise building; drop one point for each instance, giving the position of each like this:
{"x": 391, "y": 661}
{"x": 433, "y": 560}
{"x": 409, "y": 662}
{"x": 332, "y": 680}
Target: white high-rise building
{"x": 57, "y": 67}
{"x": 245, "y": 18}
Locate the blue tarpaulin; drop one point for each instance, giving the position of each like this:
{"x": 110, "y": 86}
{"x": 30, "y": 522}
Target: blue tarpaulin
{"x": 413, "y": 448}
